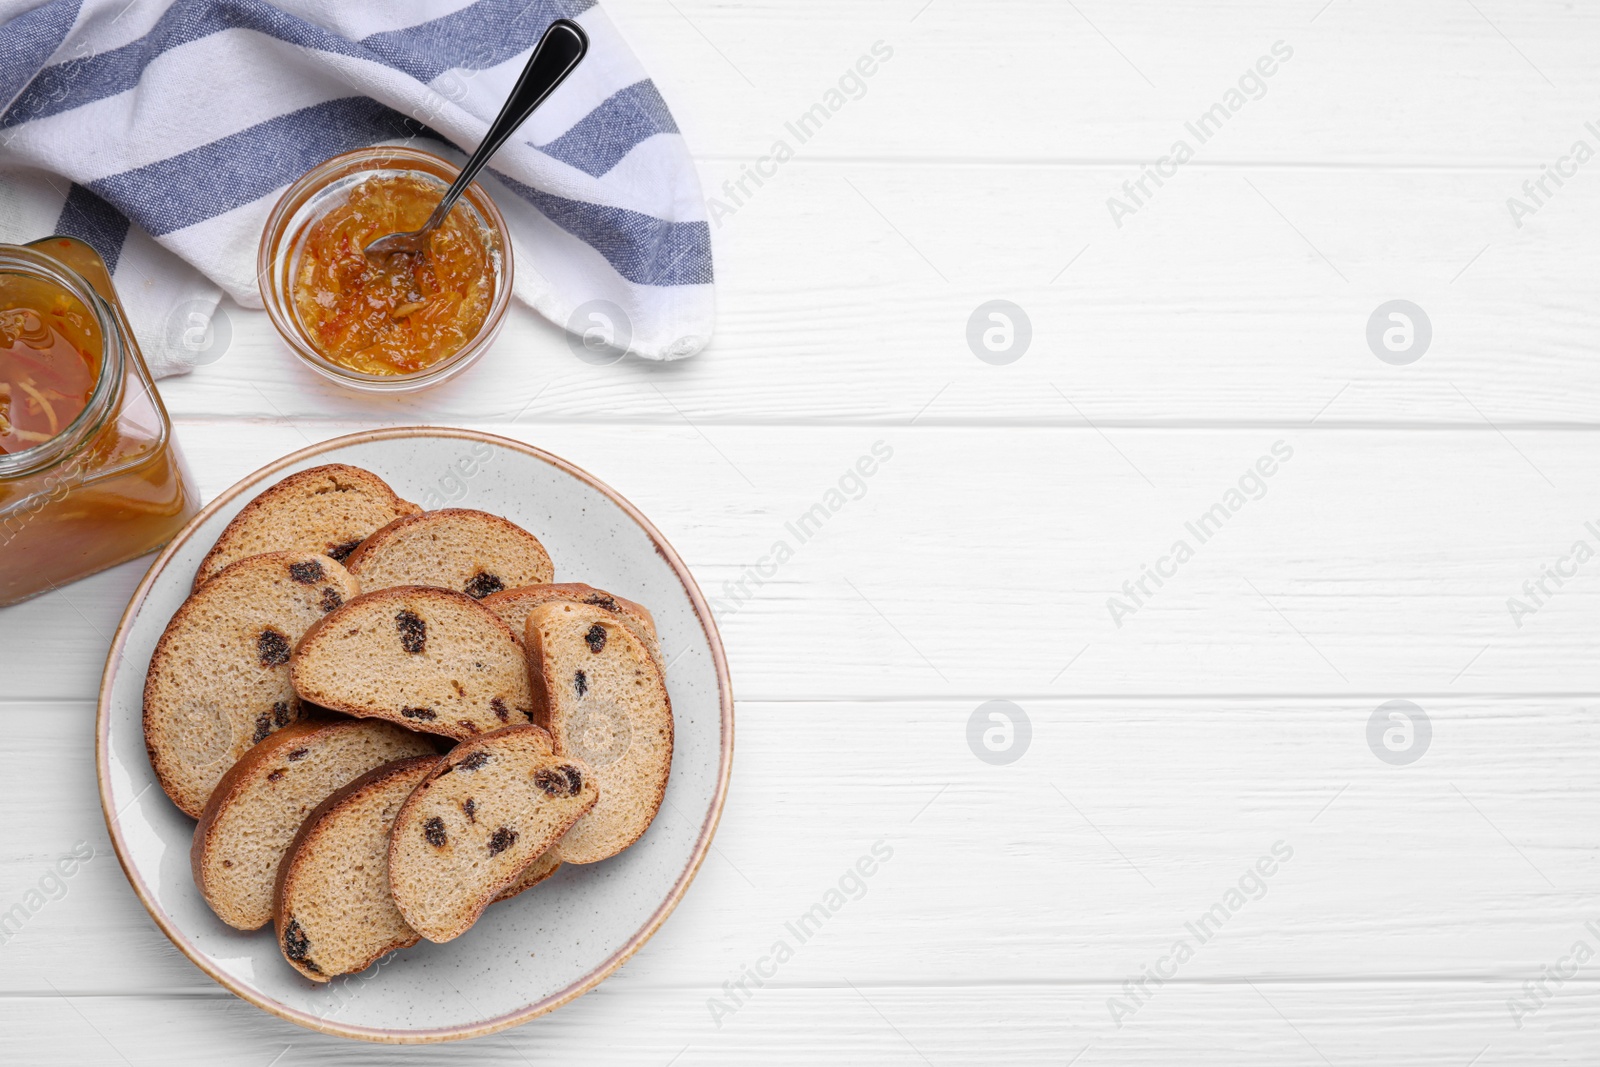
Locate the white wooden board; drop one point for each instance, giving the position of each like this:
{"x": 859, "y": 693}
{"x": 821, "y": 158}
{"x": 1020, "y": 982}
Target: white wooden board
{"x": 1229, "y": 710}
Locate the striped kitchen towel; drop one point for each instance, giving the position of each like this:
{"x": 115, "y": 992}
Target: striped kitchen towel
{"x": 163, "y": 131}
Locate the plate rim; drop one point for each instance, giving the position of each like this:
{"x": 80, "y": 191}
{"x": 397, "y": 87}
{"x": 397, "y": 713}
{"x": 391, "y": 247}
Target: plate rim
{"x": 495, "y": 1024}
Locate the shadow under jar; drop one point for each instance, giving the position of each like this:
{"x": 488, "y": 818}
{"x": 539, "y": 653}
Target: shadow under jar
{"x": 89, "y": 474}
{"x": 385, "y": 323}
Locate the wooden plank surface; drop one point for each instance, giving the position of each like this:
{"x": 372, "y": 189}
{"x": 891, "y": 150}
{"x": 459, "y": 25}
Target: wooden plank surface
{"x": 1377, "y": 166}
{"x": 1116, "y": 834}
{"x": 1241, "y": 297}
{"x": 1180, "y": 731}
{"x": 1265, "y": 1024}
{"x": 1377, "y": 560}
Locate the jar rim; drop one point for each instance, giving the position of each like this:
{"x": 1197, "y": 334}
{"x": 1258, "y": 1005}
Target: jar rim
{"x": 27, "y": 260}
{"x": 278, "y": 245}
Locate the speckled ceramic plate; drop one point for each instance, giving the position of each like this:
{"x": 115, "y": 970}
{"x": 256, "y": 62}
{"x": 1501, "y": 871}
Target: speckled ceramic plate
{"x": 526, "y": 956}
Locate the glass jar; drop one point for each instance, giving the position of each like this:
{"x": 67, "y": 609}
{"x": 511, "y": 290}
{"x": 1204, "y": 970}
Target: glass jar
{"x": 328, "y": 185}
{"x": 110, "y": 485}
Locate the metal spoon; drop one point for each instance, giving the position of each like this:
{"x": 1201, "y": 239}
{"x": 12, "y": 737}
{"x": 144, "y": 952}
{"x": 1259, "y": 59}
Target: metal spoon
{"x": 560, "y": 51}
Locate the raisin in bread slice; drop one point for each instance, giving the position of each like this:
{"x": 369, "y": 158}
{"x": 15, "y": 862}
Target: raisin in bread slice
{"x": 471, "y": 552}
{"x": 428, "y": 659}
{"x": 329, "y": 509}
{"x": 331, "y": 906}
{"x": 475, "y": 824}
{"x": 513, "y": 605}
{"x": 602, "y": 696}
{"x": 251, "y": 819}
{"x": 219, "y": 678}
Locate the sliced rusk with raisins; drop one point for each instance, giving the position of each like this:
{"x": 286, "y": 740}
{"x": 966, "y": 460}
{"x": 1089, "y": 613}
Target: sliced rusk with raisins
{"x": 428, "y": 659}
{"x": 329, "y": 509}
{"x": 219, "y": 678}
{"x": 471, "y": 552}
{"x": 331, "y": 907}
{"x": 514, "y": 605}
{"x": 470, "y": 831}
{"x": 603, "y": 697}
{"x": 261, "y": 803}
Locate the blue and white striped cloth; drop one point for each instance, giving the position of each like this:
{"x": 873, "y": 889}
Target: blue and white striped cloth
{"x": 163, "y": 131}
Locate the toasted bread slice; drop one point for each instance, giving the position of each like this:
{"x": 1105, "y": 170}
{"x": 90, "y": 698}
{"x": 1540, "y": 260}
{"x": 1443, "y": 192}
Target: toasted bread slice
{"x": 329, "y": 509}
{"x": 428, "y": 659}
{"x": 602, "y": 696}
{"x": 475, "y": 824}
{"x": 252, "y": 817}
{"x": 513, "y": 605}
{"x": 331, "y": 907}
{"x": 219, "y": 678}
{"x": 471, "y": 552}
{"x": 541, "y": 868}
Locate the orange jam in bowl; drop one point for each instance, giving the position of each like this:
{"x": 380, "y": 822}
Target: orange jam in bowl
{"x": 384, "y": 323}
{"x": 399, "y": 313}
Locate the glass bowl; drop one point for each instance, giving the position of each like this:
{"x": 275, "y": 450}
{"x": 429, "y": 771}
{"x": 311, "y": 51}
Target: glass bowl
{"x": 326, "y": 186}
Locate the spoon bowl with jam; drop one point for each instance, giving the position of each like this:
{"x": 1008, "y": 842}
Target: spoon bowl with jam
{"x": 388, "y": 269}
{"x": 384, "y": 323}
{"x": 396, "y": 314}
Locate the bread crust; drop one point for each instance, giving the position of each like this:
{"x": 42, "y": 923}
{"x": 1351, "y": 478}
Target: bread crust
{"x": 253, "y": 511}
{"x": 312, "y": 827}
{"x": 304, "y": 689}
{"x": 543, "y": 866}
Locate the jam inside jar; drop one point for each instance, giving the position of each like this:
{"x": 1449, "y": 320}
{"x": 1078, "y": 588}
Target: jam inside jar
{"x": 89, "y": 475}
{"x": 49, "y": 360}
{"x": 401, "y": 313}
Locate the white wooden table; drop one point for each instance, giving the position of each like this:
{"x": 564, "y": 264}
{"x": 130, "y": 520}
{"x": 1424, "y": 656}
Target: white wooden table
{"x": 1225, "y": 717}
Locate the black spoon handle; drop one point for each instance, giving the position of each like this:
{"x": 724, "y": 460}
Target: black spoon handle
{"x": 559, "y": 52}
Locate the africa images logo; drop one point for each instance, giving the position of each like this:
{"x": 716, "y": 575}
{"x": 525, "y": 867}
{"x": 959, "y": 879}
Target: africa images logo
{"x": 1251, "y": 485}
{"x": 851, "y": 885}
{"x": 1252, "y": 85}
{"x": 851, "y": 85}
{"x": 1251, "y": 886}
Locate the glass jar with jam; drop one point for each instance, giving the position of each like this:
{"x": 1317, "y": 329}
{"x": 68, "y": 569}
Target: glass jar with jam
{"x": 384, "y": 323}
{"x": 89, "y": 474}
